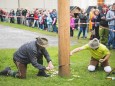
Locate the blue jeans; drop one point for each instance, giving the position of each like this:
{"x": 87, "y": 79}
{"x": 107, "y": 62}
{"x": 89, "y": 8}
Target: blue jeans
{"x": 54, "y": 28}
{"x": 111, "y": 39}
{"x": 35, "y": 22}
{"x": 49, "y": 27}
{"x": 82, "y": 29}
{"x": 41, "y": 26}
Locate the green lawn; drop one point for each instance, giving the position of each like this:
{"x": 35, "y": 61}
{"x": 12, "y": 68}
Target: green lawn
{"x": 28, "y": 28}
{"x": 80, "y": 76}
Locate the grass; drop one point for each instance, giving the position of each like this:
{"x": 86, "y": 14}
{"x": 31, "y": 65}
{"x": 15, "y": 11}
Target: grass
{"x": 80, "y": 76}
{"x": 28, "y": 28}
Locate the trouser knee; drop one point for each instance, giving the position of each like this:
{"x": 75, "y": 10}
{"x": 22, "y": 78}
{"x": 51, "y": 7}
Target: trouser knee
{"x": 91, "y": 68}
{"x": 107, "y": 69}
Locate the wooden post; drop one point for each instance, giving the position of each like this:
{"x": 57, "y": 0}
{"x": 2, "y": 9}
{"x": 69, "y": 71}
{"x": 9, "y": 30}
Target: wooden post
{"x": 100, "y": 2}
{"x": 64, "y": 37}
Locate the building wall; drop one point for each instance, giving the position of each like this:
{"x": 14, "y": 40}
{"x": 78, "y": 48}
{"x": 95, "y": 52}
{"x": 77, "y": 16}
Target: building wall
{"x": 47, "y": 4}
{"x": 51, "y": 4}
{"x": 29, "y": 4}
{"x": 85, "y": 3}
{"x": 8, "y": 4}
{"x": 109, "y": 2}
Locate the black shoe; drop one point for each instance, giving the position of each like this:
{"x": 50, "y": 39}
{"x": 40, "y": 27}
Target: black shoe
{"x": 5, "y": 71}
{"x": 113, "y": 48}
{"x": 42, "y": 73}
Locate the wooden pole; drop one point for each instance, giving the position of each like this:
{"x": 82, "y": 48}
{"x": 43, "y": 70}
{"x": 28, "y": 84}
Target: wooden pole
{"x": 64, "y": 37}
{"x": 100, "y": 2}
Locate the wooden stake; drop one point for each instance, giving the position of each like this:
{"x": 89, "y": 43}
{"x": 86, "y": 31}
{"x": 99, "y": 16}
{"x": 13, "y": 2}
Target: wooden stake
{"x": 64, "y": 37}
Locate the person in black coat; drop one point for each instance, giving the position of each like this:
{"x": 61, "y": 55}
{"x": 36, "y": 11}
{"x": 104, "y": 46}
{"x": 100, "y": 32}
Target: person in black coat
{"x": 18, "y": 15}
{"x": 96, "y": 22}
{"x": 83, "y": 21}
{"x": 12, "y": 14}
{"x": 104, "y": 33}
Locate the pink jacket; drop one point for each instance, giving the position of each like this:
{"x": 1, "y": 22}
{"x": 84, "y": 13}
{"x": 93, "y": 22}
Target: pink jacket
{"x": 72, "y": 24}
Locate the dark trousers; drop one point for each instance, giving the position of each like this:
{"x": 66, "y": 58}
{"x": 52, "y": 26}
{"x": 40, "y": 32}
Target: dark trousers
{"x": 18, "y": 20}
{"x": 95, "y": 62}
{"x": 71, "y": 32}
{"x": 104, "y": 34}
{"x": 12, "y": 20}
{"x": 22, "y": 68}
{"x": 97, "y": 32}
{"x": 1, "y": 18}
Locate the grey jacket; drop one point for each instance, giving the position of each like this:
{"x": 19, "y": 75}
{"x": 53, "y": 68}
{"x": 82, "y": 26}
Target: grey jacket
{"x": 109, "y": 17}
{"x": 30, "y": 53}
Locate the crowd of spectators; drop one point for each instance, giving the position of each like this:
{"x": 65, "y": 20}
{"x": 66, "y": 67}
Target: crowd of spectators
{"x": 92, "y": 21}
{"x": 83, "y": 22}
{"x": 42, "y": 19}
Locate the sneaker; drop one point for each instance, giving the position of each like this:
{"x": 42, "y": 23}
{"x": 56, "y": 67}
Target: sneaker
{"x": 5, "y": 71}
{"x": 42, "y": 73}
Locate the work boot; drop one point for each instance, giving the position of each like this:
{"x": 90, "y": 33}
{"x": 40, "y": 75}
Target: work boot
{"x": 5, "y": 71}
{"x": 42, "y": 73}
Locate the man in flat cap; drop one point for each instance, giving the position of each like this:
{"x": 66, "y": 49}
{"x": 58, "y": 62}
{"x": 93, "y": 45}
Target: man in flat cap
{"x": 99, "y": 53}
{"x": 33, "y": 53}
